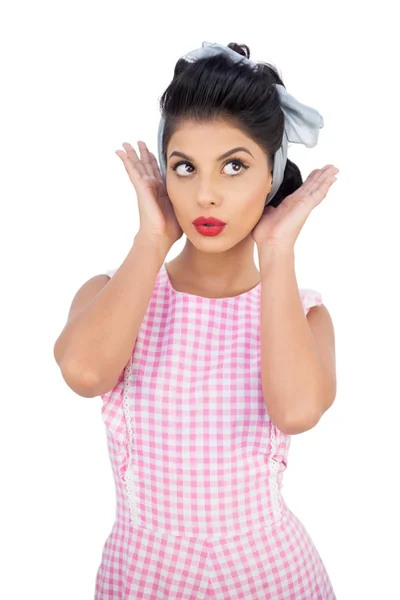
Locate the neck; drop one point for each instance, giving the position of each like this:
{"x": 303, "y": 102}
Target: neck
{"x": 223, "y": 271}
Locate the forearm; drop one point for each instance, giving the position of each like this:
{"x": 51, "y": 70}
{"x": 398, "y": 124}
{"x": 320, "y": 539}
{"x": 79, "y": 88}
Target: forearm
{"x": 292, "y": 375}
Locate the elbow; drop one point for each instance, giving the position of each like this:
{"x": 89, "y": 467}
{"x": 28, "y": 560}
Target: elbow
{"x": 292, "y": 425}
{"x": 86, "y": 386}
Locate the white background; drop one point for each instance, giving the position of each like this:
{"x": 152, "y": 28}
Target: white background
{"x": 80, "y": 78}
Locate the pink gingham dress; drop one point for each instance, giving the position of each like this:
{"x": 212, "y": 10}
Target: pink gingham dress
{"x": 198, "y": 464}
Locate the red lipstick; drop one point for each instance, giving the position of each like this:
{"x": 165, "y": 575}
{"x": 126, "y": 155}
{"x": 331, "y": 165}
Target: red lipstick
{"x": 209, "y": 226}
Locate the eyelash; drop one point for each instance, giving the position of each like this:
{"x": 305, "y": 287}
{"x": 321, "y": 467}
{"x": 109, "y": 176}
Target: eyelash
{"x": 232, "y": 160}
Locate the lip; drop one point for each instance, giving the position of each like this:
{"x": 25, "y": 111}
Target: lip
{"x": 209, "y": 230}
{"x": 208, "y": 220}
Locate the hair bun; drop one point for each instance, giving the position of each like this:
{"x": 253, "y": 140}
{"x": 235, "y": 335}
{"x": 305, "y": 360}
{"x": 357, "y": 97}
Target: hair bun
{"x": 240, "y": 49}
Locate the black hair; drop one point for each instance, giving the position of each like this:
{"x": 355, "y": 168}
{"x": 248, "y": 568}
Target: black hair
{"x": 217, "y": 87}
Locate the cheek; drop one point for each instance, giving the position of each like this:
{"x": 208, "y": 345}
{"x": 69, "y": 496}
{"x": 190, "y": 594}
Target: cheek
{"x": 253, "y": 205}
{"x": 254, "y": 194}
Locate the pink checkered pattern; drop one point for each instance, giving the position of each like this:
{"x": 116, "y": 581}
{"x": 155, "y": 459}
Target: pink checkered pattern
{"x": 198, "y": 463}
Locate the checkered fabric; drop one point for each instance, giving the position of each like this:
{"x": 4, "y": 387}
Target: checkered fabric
{"x": 198, "y": 463}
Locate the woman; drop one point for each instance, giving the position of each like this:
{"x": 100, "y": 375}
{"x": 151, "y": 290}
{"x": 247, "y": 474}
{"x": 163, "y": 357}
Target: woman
{"x": 206, "y": 368}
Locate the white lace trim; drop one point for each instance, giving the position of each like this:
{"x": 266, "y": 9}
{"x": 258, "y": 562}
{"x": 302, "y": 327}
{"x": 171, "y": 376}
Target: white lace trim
{"x": 275, "y": 493}
{"x": 130, "y": 473}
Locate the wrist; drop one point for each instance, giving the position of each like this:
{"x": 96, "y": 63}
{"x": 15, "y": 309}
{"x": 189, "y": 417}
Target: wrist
{"x": 273, "y": 252}
{"x": 154, "y": 243}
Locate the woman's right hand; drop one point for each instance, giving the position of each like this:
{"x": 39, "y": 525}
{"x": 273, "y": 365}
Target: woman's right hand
{"x": 157, "y": 215}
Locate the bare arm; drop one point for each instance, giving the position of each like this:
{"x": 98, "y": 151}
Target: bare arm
{"x": 298, "y": 369}
{"x": 97, "y": 341}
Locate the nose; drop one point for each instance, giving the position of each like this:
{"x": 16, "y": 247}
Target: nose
{"x": 207, "y": 192}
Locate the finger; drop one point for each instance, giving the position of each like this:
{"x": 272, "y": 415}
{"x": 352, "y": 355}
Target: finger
{"x": 312, "y": 174}
{"x": 327, "y": 181}
{"x": 323, "y": 174}
{"x": 309, "y": 184}
{"x": 156, "y": 168}
{"x": 327, "y": 172}
{"x": 133, "y": 157}
{"x": 133, "y": 173}
{"x": 319, "y": 173}
{"x": 319, "y": 176}
{"x": 319, "y": 193}
{"x": 145, "y": 158}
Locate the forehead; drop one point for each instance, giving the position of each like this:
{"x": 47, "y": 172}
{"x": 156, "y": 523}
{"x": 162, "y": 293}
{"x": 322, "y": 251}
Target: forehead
{"x": 218, "y": 132}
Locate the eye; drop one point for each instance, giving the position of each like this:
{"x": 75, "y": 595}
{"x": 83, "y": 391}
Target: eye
{"x": 234, "y": 161}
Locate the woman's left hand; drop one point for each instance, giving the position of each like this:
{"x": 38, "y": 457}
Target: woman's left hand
{"x": 280, "y": 226}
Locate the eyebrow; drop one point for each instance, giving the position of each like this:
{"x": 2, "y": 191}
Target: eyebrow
{"x": 224, "y": 155}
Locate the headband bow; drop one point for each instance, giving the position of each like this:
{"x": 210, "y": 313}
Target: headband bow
{"x": 302, "y": 123}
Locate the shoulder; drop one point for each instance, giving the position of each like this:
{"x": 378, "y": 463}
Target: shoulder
{"x": 110, "y": 272}
{"x": 310, "y": 298}
{"x": 316, "y": 311}
{"x": 320, "y": 321}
